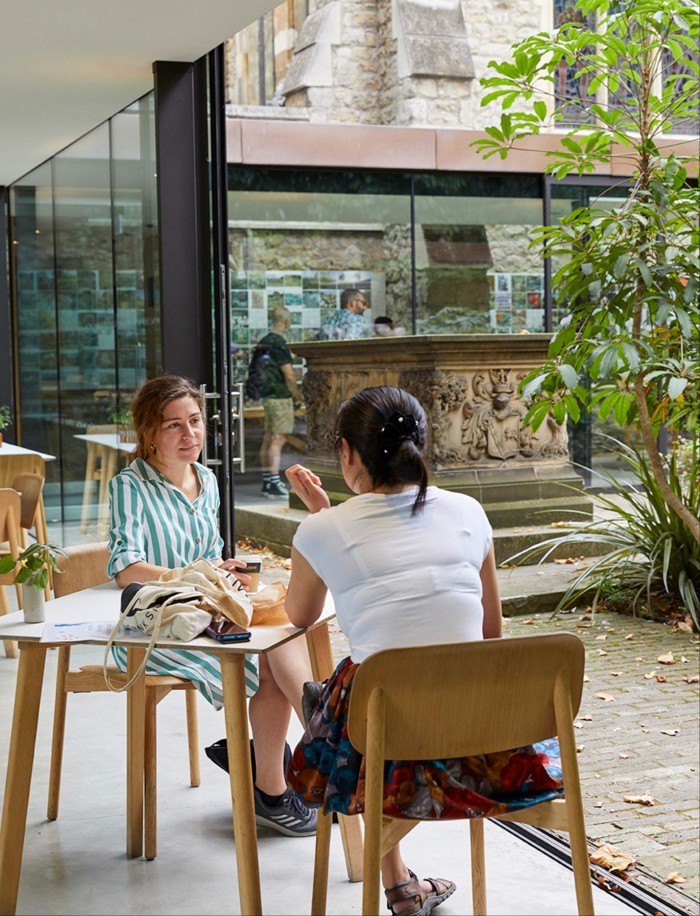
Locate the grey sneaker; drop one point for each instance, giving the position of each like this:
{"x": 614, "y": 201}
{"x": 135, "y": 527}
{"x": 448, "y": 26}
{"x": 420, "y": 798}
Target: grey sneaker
{"x": 275, "y": 490}
{"x": 291, "y": 817}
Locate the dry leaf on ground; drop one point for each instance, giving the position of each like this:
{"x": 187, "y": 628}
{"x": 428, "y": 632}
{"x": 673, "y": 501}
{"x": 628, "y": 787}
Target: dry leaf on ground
{"x": 694, "y": 679}
{"x": 671, "y": 731}
{"x": 661, "y": 679}
{"x": 587, "y": 717}
{"x": 605, "y": 696}
{"x": 650, "y": 676}
{"x": 646, "y": 800}
{"x": 629, "y": 636}
{"x": 675, "y": 878}
{"x": 611, "y": 858}
{"x": 666, "y": 659}
{"x": 602, "y": 637}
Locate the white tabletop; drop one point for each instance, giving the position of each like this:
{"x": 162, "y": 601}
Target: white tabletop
{"x": 7, "y": 450}
{"x": 110, "y": 440}
{"x": 102, "y": 604}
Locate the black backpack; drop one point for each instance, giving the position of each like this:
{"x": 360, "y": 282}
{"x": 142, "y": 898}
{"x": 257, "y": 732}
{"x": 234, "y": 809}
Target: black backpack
{"x": 256, "y": 381}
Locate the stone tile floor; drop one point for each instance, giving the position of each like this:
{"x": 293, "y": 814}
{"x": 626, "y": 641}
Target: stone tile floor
{"x": 638, "y": 731}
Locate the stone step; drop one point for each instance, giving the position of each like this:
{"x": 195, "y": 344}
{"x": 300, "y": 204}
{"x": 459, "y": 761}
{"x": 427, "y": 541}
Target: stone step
{"x": 272, "y": 524}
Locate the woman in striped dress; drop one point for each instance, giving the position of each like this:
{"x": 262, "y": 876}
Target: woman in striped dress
{"x": 164, "y": 514}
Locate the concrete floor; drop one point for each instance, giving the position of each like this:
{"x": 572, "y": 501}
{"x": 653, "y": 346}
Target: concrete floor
{"x": 77, "y": 864}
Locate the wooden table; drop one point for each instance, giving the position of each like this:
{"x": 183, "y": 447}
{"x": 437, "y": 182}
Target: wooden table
{"x": 16, "y": 460}
{"x": 105, "y": 448}
{"x": 101, "y": 604}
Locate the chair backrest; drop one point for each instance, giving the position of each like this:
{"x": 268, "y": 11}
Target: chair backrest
{"x": 467, "y": 698}
{"x": 29, "y": 486}
{"x": 9, "y": 526}
{"x": 84, "y": 567}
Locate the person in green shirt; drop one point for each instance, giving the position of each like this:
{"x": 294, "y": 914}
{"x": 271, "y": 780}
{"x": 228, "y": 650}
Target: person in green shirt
{"x": 278, "y": 400}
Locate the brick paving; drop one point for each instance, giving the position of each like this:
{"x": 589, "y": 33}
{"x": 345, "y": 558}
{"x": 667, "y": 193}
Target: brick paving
{"x": 638, "y": 735}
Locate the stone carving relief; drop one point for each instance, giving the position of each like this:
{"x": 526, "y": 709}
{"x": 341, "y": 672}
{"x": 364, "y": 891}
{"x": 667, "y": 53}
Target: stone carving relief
{"x": 491, "y": 422}
{"x": 476, "y": 419}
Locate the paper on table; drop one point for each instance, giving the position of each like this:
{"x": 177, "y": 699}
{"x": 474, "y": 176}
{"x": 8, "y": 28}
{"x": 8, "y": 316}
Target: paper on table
{"x": 77, "y": 632}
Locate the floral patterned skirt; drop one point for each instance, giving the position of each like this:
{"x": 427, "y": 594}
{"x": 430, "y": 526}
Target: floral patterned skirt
{"x": 328, "y": 772}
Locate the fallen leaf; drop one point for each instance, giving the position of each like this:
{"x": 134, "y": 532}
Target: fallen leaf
{"x": 675, "y": 878}
{"x": 605, "y": 696}
{"x": 530, "y": 620}
{"x": 578, "y": 725}
{"x": 616, "y": 673}
{"x": 585, "y": 617}
{"x": 671, "y": 731}
{"x": 684, "y": 627}
{"x": 624, "y": 756}
{"x": 646, "y": 800}
{"x": 598, "y": 804}
{"x": 580, "y": 747}
{"x": 650, "y": 676}
{"x": 640, "y": 658}
{"x": 586, "y": 679}
{"x": 586, "y": 718}
{"x": 666, "y": 659}
{"x": 602, "y": 652}
{"x": 602, "y": 637}
{"x": 661, "y": 679}
{"x": 629, "y": 636}
{"x": 612, "y": 859}
{"x": 695, "y": 679}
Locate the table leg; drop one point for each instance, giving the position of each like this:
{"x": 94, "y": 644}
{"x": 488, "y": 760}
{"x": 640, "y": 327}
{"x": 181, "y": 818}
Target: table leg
{"x": 135, "y": 752}
{"x": 108, "y": 468}
{"x": 25, "y": 717}
{"x": 241, "y": 777}
{"x": 319, "y": 642}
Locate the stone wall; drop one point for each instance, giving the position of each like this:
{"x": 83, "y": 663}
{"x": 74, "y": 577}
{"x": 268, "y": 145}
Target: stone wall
{"x": 393, "y": 62}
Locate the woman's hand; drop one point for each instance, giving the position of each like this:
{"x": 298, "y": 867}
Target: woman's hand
{"x": 233, "y": 565}
{"x": 307, "y": 487}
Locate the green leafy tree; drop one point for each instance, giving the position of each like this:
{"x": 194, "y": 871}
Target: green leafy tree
{"x": 628, "y": 275}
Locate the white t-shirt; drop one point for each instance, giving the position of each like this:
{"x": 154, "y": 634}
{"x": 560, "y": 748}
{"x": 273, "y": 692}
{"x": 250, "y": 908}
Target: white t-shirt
{"x": 398, "y": 580}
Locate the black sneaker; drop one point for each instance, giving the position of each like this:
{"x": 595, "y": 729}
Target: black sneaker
{"x": 275, "y": 490}
{"x": 290, "y": 817}
{"x": 310, "y": 697}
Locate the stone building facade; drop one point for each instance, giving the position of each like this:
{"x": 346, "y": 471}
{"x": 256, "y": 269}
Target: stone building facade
{"x": 382, "y": 62}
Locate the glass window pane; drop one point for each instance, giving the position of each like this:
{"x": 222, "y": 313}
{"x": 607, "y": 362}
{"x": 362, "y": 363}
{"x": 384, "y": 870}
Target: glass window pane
{"x": 32, "y": 227}
{"x": 300, "y": 238}
{"x": 135, "y": 221}
{"x": 475, "y": 271}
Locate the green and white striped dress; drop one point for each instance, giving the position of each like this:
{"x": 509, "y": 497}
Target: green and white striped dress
{"x": 153, "y": 521}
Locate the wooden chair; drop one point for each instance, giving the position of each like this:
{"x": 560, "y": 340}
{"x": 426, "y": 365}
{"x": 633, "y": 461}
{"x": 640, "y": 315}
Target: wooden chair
{"x": 30, "y": 487}
{"x": 9, "y": 531}
{"x": 434, "y": 702}
{"x": 85, "y": 567}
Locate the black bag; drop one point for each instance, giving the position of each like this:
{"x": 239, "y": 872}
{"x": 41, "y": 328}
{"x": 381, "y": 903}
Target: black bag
{"x": 256, "y": 380}
{"x": 218, "y": 754}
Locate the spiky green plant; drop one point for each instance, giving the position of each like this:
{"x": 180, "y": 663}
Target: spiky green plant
{"x": 649, "y": 551}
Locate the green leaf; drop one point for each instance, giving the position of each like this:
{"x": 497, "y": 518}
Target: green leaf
{"x": 676, "y": 387}
{"x": 568, "y": 375}
{"x": 540, "y": 108}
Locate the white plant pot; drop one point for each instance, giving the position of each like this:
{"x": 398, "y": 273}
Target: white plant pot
{"x": 33, "y": 604}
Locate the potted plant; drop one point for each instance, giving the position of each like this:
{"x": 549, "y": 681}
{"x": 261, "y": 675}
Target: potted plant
{"x": 35, "y": 563}
{"x": 5, "y": 418}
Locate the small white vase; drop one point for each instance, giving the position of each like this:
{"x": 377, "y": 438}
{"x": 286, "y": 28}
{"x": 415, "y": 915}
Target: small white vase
{"x": 33, "y": 604}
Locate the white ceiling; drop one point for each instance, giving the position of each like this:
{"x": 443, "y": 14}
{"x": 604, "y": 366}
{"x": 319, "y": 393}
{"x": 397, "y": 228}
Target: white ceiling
{"x": 68, "y": 65}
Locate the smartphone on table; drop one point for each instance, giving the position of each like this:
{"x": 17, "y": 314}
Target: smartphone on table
{"x": 227, "y": 631}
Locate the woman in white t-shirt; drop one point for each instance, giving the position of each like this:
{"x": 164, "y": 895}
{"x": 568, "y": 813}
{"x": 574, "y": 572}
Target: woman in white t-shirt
{"x": 407, "y": 564}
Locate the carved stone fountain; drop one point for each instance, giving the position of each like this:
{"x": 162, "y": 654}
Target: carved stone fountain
{"x": 478, "y": 444}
